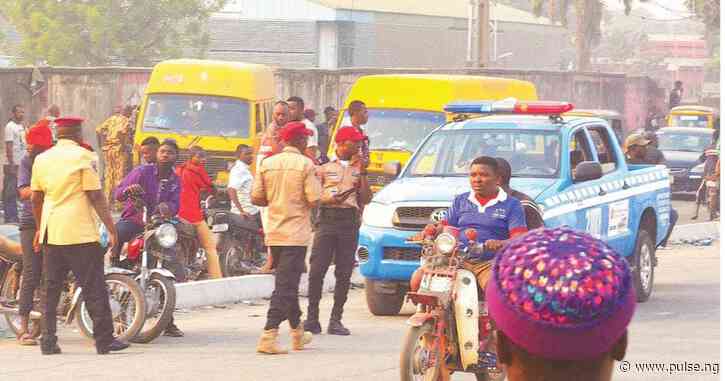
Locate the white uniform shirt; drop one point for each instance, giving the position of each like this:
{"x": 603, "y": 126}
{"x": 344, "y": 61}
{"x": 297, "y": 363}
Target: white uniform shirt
{"x": 241, "y": 180}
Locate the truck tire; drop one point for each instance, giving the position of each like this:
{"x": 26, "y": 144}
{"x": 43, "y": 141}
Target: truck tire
{"x": 382, "y": 304}
{"x": 643, "y": 265}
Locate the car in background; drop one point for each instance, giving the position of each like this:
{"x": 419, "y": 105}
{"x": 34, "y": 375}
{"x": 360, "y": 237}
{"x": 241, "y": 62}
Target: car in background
{"x": 683, "y": 148}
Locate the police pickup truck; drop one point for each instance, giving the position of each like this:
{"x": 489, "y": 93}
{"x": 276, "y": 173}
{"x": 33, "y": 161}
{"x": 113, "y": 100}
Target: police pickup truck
{"x": 571, "y": 166}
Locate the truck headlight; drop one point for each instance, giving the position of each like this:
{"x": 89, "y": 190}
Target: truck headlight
{"x": 378, "y": 215}
{"x": 445, "y": 243}
{"x": 166, "y": 235}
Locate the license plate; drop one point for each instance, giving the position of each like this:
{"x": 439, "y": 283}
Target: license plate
{"x": 219, "y": 228}
{"x": 440, "y": 284}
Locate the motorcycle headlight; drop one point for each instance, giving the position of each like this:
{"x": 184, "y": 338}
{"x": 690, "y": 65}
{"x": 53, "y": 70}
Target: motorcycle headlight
{"x": 166, "y": 235}
{"x": 378, "y": 215}
{"x": 445, "y": 243}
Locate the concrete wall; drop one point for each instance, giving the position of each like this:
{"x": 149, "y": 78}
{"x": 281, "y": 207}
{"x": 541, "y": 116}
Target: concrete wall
{"x": 92, "y": 92}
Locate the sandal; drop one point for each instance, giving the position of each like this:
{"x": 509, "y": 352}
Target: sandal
{"x": 27, "y": 340}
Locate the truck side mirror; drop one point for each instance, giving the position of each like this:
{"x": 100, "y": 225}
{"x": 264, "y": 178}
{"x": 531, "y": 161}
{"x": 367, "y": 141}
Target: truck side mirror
{"x": 392, "y": 168}
{"x": 586, "y": 171}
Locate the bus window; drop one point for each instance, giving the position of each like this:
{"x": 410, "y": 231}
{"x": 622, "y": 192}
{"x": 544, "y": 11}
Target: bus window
{"x": 258, "y": 118}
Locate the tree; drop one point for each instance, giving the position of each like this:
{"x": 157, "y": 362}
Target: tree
{"x": 103, "y": 32}
{"x": 588, "y": 23}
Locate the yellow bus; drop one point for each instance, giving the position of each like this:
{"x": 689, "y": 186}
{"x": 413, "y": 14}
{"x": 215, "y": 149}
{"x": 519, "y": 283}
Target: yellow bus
{"x": 404, "y": 109}
{"x": 691, "y": 116}
{"x": 213, "y": 104}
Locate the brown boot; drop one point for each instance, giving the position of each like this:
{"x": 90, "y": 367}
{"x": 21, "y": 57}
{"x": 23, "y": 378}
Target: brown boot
{"x": 300, "y": 337}
{"x": 268, "y": 343}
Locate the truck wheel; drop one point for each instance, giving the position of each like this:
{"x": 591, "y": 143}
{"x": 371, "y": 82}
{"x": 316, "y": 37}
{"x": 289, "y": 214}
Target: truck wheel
{"x": 643, "y": 268}
{"x": 381, "y": 304}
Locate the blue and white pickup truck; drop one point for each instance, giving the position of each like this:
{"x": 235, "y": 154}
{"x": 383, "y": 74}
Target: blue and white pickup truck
{"x": 572, "y": 167}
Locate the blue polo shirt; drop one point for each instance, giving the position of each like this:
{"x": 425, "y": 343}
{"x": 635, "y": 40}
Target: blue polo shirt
{"x": 496, "y": 220}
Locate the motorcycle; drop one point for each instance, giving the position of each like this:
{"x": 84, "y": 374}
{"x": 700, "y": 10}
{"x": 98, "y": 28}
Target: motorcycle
{"x": 450, "y": 330}
{"x": 128, "y": 306}
{"x": 145, "y": 257}
{"x": 240, "y": 242}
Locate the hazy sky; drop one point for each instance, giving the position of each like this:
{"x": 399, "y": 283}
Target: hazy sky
{"x": 664, "y": 9}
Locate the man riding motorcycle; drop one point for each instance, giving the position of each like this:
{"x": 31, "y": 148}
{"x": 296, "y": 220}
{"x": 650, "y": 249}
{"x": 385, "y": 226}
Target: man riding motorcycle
{"x": 159, "y": 189}
{"x": 496, "y": 216}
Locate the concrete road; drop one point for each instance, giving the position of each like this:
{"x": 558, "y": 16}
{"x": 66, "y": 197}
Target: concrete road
{"x": 680, "y": 324}
{"x": 685, "y": 205}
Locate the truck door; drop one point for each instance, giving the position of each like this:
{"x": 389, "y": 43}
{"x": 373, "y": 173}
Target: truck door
{"x": 617, "y": 209}
{"x": 587, "y": 213}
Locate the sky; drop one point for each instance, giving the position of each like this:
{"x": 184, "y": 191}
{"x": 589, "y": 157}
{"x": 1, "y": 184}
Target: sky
{"x": 662, "y": 9}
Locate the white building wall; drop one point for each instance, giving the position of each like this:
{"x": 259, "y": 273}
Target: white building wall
{"x": 294, "y": 10}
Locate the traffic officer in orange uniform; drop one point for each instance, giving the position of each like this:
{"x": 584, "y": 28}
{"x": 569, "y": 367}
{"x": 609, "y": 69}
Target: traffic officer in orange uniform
{"x": 345, "y": 193}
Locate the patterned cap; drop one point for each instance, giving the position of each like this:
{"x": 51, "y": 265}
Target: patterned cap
{"x": 561, "y": 294}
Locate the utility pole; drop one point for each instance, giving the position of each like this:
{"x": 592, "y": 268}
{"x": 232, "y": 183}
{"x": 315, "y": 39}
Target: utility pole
{"x": 479, "y": 33}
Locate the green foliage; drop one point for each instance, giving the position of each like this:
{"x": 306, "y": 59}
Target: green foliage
{"x": 102, "y": 32}
{"x": 707, "y": 10}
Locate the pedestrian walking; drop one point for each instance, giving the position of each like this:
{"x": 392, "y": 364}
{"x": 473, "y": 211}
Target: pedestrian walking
{"x": 287, "y": 185}
{"x": 324, "y": 129}
{"x": 195, "y": 182}
{"x": 39, "y": 139}
{"x": 296, "y": 114}
{"x": 676, "y": 94}
{"x": 552, "y": 329}
{"x": 113, "y": 134}
{"x": 14, "y": 151}
{"x": 345, "y": 193}
{"x": 66, "y": 187}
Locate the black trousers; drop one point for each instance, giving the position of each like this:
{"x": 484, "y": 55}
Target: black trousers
{"x": 285, "y": 305}
{"x": 32, "y": 270}
{"x": 127, "y": 231}
{"x": 335, "y": 239}
{"x": 10, "y": 193}
{"x": 86, "y": 262}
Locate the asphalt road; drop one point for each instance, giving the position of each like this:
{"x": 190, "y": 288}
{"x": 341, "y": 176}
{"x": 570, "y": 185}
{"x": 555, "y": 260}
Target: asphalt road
{"x": 679, "y": 324}
{"x": 685, "y": 206}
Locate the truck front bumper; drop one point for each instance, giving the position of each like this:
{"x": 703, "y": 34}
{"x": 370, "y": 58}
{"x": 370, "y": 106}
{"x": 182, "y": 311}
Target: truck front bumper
{"x": 384, "y": 255}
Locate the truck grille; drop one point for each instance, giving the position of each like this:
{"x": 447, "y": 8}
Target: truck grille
{"x": 401, "y": 253}
{"x": 217, "y": 161}
{"x": 414, "y": 217}
{"x": 380, "y": 179}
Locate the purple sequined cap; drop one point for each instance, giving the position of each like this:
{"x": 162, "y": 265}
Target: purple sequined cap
{"x": 561, "y": 287}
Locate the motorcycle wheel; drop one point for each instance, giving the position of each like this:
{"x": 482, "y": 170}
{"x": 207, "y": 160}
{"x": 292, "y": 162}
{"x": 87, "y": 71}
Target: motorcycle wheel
{"x": 128, "y": 308}
{"x": 160, "y": 304}
{"x": 419, "y": 347}
{"x": 11, "y": 291}
{"x": 231, "y": 257}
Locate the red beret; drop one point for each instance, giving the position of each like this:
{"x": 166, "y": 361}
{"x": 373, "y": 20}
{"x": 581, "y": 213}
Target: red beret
{"x": 69, "y": 121}
{"x": 348, "y": 133}
{"x": 40, "y": 135}
{"x": 294, "y": 130}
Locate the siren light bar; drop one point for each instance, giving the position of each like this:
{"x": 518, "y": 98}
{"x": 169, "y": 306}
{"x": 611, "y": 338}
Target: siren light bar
{"x": 509, "y": 106}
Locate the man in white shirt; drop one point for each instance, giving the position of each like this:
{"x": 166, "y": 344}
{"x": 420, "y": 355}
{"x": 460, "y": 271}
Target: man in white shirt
{"x": 240, "y": 186}
{"x": 14, "y": 151}
{"x": 296, "y": 113}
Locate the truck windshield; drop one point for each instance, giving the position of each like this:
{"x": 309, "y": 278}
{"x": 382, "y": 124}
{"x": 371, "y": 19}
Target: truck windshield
{"x": 200, "y": 115}
{"x": 669, "y": 141}
{"x": 398, "y": 130}
{"x": 450, "y": 153}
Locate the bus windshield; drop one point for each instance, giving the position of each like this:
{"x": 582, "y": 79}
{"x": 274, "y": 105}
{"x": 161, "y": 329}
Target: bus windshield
{"x": 398, "y": 130}
{"x": 201, "y": 115}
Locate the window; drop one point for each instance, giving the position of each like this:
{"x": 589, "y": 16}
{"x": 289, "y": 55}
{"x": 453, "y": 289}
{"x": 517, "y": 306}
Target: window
{"x": 398, "y": 130}
{"x": 258, "y": 118}
{"x": 579, "y": 149}
{"x": 605, "y": 149}
{"x": 197, "y": 115}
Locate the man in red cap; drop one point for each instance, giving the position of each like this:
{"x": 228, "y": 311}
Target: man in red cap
{"x": 345, "y": 193}
{"x": 38, "y": 140}
{"x": 287, "y": 185}
{"x": 66, "y": 187}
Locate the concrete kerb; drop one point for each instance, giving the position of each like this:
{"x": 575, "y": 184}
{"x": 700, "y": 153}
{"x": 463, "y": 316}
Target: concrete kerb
{"x": 238, "y": 289}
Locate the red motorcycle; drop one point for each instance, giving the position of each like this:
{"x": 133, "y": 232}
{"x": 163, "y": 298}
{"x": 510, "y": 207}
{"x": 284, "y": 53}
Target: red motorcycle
{"x": 450, "y": 331}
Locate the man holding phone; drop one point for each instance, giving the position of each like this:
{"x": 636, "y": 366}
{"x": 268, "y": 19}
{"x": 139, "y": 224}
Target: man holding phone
{"x": 346, "y": 191}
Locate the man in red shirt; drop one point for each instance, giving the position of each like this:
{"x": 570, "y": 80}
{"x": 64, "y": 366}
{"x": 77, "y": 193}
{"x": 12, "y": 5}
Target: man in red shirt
{"x": 194, "y": 182}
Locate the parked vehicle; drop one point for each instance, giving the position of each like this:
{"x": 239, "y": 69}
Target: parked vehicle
{"x": 145, "y": 257}
{"x": 554, "y": 161}
{"x": 128, "y": 306}
{"x": 404, "y": 109}
{"x": 213, "y": 104}
{"x": 241, "y": 242}
{"x": 450, "y": 330}
{"x": 683, "y": 148}
{"x": 691, "y": 116}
